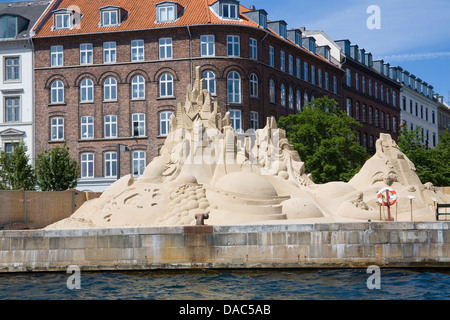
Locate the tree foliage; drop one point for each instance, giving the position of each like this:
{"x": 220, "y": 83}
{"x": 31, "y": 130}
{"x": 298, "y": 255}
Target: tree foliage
{"x": 432, "y": 165}
{"x": 56, "y": 170}
{"x": 16, "y": 171}
{"x": 325, "y": 138}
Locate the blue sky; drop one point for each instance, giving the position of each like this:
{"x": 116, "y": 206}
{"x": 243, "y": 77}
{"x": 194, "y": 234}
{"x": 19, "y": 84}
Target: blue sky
{"x": 414, "y": 34}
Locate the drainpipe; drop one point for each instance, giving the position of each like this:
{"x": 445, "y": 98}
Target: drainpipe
{"x": 190, "y": 55}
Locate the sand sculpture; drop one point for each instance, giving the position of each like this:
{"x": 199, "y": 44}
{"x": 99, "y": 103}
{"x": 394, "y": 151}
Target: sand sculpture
{"x": 206, "y": 167}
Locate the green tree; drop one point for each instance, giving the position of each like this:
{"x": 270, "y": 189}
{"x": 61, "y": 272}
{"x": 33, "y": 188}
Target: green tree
{"x": 325, "y": 138}
{"x": 16, "y": 171}
{"x": 432, "y": 165}
{"x": 56, "y": 170}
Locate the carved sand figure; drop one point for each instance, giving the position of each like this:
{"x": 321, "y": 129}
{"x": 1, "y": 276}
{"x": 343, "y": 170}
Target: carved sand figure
{"x": 206, "y": 167}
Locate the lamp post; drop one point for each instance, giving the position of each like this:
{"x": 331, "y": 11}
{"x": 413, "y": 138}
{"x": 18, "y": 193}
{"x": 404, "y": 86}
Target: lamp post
{"x": 126, "y": 149}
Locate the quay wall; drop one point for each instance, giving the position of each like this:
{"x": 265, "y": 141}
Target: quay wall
{"x": 324, "y": 245}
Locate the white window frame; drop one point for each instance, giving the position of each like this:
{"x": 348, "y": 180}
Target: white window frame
{"x": 207, "y": 45}
{"x": 137, "y": 50}
{"x": 87, "y": 165}
{"x": 139, "y": 162}
{"x": 166, "y": 85}
{"x": 234, "y": 87}
{"x": 166, "y": 13}
{"x": 110, "y": 164}
{"x": 87, "y": 127}
{"x": 57, "y": 92}
{"x": 254, "y": 120}
{"x": 12, "y": 69}
{"x": 57, "y": 129}
{"x": 109, "y": 21}
{"x": 139, "y": 120}
{"x": 109, "y": 52}
{"x": 230, "y": 11}
{"x": 165, "y": 49}
{"x": 253, "y": 85}
{"x": 164, "y": 123}
{"x": 86, "y": 90}
{"x": 210, "y": 81}
{"x": 86, "y": 53}
{"x": 233, "y": 46}
{"x": 110, "y": 89}
{"x": 13, "y": 109}
{"x": 236, "y": 119}
{"x": 110, "y": 126}
{"x": 56, "y": 56}
{"x": 138, "y": 87}
{"x": 62, "y": 21}
{"x": 253, "y": 43}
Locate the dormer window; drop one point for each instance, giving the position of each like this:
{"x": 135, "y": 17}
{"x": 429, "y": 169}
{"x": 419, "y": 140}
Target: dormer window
{"x": 283, "y": 30}
{"x": 62, "y": 19}
{"x": 168, "y": 11}
{"x": 111, "y": 16}
{"x": 263, "y": 20}
{"x": 230, "y": 11}
{"x": 8, "y": 27}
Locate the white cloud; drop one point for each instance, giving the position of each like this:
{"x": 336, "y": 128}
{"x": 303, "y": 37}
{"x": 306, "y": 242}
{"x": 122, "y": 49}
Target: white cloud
{"x": 415, "y": 56}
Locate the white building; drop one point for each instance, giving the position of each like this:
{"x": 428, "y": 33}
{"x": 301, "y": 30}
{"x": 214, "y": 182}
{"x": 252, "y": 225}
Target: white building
{"x": 419, "y": 106}
{"x": 17, "y": 73}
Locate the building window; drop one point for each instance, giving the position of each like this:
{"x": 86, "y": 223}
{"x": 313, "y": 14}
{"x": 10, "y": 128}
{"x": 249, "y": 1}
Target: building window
{"x": 233, "y": 46}
{"x": 381, "y": 92}
{"x": 166, "y": 85}
{"x": 138, "y": 87}
{"x": 207, "y": 45}
{"x": 57, "y": 92}
{"x": 110, "y": 126}
{"x": 229, "y": 11}
{"x": 56, "y": 53}
{"x": 417, "y": 110}
{"x": 210, "y": 81}
{"x": 305, "y": 71}
{"x": 394, "y": 98}
{"x": 291, "y": 65}
{"x": 164, "y": 122}
{"x": 110, "y": 164}
{"x": 86, "y": 53}
{"x": 166, "y": 13}
{"x": 348, "y": 77}
{"x": 394, "y": 124}
{"x": 283, "y": 95}
{"x": 291, "y": 98}
{"x": 349, "y": 107}
{"x": 272, "y": 91}
{"x": 382, "y": 120}
{"x": 110, "y": 18}
{"x": 137, "y": 50}
{"x": 357, "y": 111}
{"x": 235, "y": 117}
{"x": 57, "y": 129}
{"x": 388, "y": 122}
{"x": 319, "y": 74}
{"x": 8, "y": 27}
{"x": 357, "y": 81}
{"x": 254, "y": 120}
{"x": 62, "y": 20}
{"x": 87, "y": 90}
{"x": 434, "y": 139}
{"x": 12, "y": 109}
{"x": 109, "y": 52}
{"x": 327, "y": 81}
{"x": 370, "y": 87}
{"x": 110, "y": 89}
{"x": 271, "y": 56}
{"x": 297, "y": 67}
{"x": 364, "y": 118}
{"x": 433, "y": 117}
{"x": 313, "y": 75}
{"x": 87, "y": 127}
{"x": 138, "y": 163}
{"x": 87, "y": 165}
{"x": 165, "y": 48}
{"x": 404, "y": 103}
{"x": 363, "y": 84}
{"x": 305, "y": 99}
{"x": 365, "y": 141}
{"x": 377, "y": 124}
{"x": 282, "y": 61}
{"x": 253, "y": 86}
{"x": 335, "y": 85}
{"x": 234, "y": 87}
{"x": 253, "y": 49}
{"x": 298, "y": 101}
{"x": 370, "y": 115}
{"x": 12, "y": 69}
{"x": 376, "y": 90}
{"x": 138, "y": 124}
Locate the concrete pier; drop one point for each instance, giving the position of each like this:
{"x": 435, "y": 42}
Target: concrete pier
{"x": 327, "y": 245}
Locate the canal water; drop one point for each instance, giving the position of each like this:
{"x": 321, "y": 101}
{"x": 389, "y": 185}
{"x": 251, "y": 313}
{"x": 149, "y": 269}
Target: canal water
{"x": 315, "y": 284}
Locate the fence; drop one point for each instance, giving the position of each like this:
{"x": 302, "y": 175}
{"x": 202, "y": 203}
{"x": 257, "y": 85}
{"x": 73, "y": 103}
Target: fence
{"x": 37, "y": 209}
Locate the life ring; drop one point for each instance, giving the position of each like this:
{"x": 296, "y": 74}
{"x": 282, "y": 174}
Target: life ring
{"x": 382, "y": 194}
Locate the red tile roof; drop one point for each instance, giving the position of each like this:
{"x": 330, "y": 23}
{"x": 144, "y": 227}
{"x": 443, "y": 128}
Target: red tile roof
{"x": 141, "y": 15}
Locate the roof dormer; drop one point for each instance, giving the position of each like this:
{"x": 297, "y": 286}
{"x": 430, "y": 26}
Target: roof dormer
{"x": 11, "y": 25}
{"x": 309, "y": 43}
{"x": 226, "y": 9}
{"x": 63, "y": 19}
{"x": 111, "y": 16}
{"x": 279, "y": 27}
{"x": 168, "y": 11}
{"x": 257, "y": 16}
{"x": 295, "y": 35}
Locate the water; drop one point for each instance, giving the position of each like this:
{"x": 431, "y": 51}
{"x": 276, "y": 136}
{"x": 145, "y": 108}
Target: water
{"x": 317, "y": 284}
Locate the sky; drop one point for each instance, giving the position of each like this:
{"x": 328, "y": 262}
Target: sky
{"x": 412, "y": 34}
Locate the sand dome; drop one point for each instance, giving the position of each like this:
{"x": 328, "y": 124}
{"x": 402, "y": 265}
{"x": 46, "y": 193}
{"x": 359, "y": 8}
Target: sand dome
{"x": 246, "y": 183}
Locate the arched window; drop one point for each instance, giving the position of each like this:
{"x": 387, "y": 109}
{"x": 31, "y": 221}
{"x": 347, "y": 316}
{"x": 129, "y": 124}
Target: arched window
{"x": 166, "y": 85}
{"x": 283, "y": 95}
{"x": 110, "y": 89}
{"x": 253, "y": 85}
{"x": 234, "y": 87}
{"x": 138, "y": 87}
{"x": 57, "y": 92}
{"x": 305, "y": 99}
{"x": 87, "y": 90}
{"x": 298, "y": 101}
{"x": 210, "y": 81}
{"x": 272, "y": 91}
{"x": 291, "y": 98}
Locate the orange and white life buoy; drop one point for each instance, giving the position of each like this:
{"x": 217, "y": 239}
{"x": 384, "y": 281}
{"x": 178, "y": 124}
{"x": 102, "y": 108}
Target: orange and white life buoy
{"x": 381, "y": 196}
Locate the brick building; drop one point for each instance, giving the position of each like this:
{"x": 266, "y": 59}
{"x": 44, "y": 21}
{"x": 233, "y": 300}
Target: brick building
{"x": 110, "y": 73}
